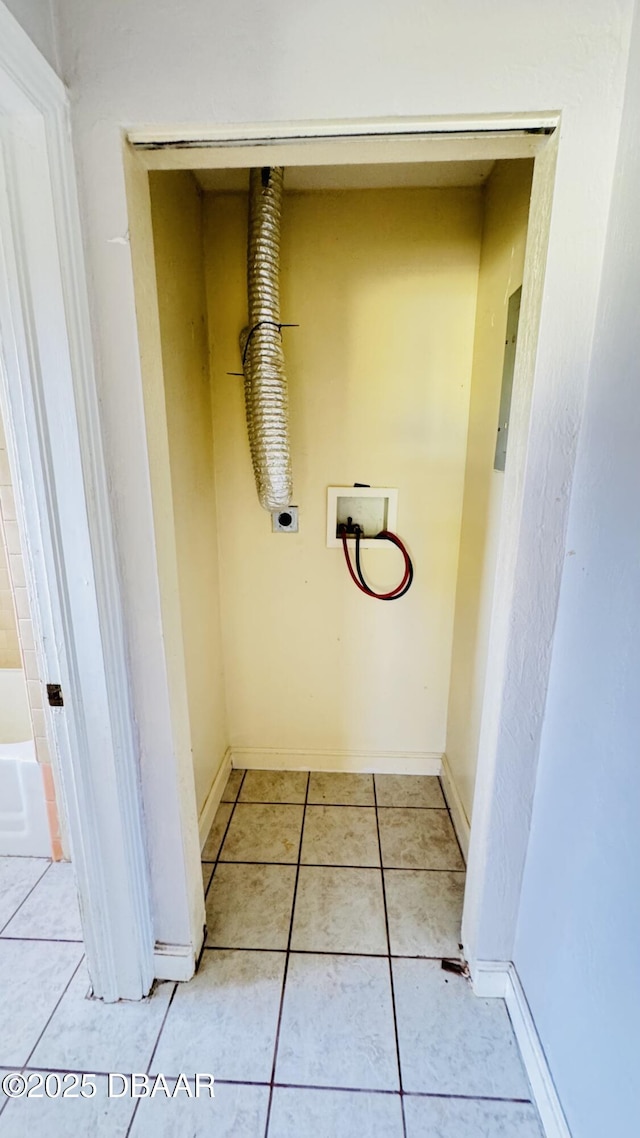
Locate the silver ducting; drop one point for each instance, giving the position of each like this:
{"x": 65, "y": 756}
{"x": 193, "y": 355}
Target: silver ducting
{"x": 265, "y": 384}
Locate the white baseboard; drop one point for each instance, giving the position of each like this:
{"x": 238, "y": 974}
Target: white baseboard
{"x": 212, "y": 801}
{"x": 459, "y": 818}
{"x": 490, "y": 978}
{"x": 173, "y": 961}
{"x": 353, "y": 762}
{"x": 499, "y": 978}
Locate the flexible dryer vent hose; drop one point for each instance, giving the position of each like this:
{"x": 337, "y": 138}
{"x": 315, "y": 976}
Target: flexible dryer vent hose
{"x": 265, "y": 384}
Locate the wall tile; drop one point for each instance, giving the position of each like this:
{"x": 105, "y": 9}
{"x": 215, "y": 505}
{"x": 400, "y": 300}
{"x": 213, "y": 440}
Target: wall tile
{"x": 42, "y": 750}
{"x": 7, "y": 503}
{"x": 31, "y": 669}
{"x": 21, "y": 601}
{"x": 37, "y": 720}
{"x": 5, "y": 474}
{"x": 34, "y": 690}
{"x": 12, "y": 538}
{"x": 54, "y": 820}
{"x": 25, "y": 630}
{"x": 47, "y": 778}
{"x": 16, "y": 568}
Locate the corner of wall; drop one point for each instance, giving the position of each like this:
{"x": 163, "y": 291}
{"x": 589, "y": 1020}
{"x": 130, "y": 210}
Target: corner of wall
{"x": 498, "y": 979}
{"x": 461, "y": 823}
{"x": 506, "y": 202}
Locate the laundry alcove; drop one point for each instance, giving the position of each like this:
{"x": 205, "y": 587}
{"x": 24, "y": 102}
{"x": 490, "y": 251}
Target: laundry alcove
{"x": 397, "y": 279}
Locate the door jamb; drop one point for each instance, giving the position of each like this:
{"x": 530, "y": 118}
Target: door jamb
{"x": 49, "y": 404}
{"x": 436, "y": 140}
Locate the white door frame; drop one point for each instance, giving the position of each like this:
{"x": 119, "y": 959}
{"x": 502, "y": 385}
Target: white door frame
{"x": 524, "y": 601}
{"x": 49, "y": 405}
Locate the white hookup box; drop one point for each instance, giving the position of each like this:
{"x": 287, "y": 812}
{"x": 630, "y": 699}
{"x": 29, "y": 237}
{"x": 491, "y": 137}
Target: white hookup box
{"x": 373, "y": 508}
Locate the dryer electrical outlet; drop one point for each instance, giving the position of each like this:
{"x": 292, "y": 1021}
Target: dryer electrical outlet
{"x": 373, "y": 508}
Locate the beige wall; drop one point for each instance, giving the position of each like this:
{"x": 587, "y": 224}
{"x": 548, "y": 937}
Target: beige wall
{"x": 507, "y": 196}
{"x": 383, "y": 285}
{"x": 178, "y": 243}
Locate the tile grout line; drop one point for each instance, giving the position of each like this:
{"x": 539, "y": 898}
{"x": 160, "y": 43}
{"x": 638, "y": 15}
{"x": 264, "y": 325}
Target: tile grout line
{"x": 335, "y": 865}
{"x": 331, "y": 805}
{"x": 294, "y": 1086}
{"x": 393, "y": 995}
{"x": 403, "y": 1094}
{"x": 58, "y": 1002}
{"x": 204, "y": 945}
{"x": 153, "y": 1053}
{"x": 400, "y": 1094}
{"x": 287, "y": 958}
{"x": 64, "y": 991}
{"x": 455, "y": 832}
{"x": 224, "y": 838}
{"x": 26, "y": 898}
{"x": 319, "y": 951}
{"x": 213, "y": 872}
{"x": 41, "y": 939}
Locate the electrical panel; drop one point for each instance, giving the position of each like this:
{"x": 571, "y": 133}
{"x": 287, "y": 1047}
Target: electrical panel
{"x": 513, "y": 318}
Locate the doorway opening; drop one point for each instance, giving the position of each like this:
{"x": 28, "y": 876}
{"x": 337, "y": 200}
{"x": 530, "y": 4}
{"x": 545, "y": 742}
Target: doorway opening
{"x": 30, "y": 822}
{"x": 399, "y": 260}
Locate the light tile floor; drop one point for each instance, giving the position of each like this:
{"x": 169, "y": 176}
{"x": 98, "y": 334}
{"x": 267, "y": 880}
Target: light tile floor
{"x": 320, "y": 1003}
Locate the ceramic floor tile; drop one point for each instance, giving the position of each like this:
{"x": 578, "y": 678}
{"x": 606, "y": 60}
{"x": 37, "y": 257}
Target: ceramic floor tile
{"x": 327, "y": 789}
{"x": 334, "y": 1114}
{"x": 97, "y": 1115}
{"x": 425, "y": 911}
{"x": 233, "y": 786}
{"x": 217, "y": 831}
{"x": 224, "y": 1020}
{"x": 451, "y": 1041}
{"x": 274, "y": 786}
{"x": 469, "y": 1118}
{"x": 33, "y": 976}
{"x": 234, "y": 1112}
{"x": 340, "y": 835}
{"x": 337, "y": 1023}
{"x": 51, "y": 911}
{"x": 409, "y": 790}
{"x": 207, "y": 874}
{"x": 249, "y": 906}
{"x": 89, "y": 1035}
{"x": 263, "y": 833}
{"x": 339, "y": 910}
{"x": 18, "y": 875}
{"x": 418, "y": 839}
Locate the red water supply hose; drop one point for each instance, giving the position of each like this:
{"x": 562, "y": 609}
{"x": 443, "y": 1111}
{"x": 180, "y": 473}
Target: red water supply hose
{"x": 357, "y": 576}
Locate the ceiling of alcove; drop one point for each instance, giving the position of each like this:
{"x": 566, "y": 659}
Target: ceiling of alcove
{"x": 377, "y": 176}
